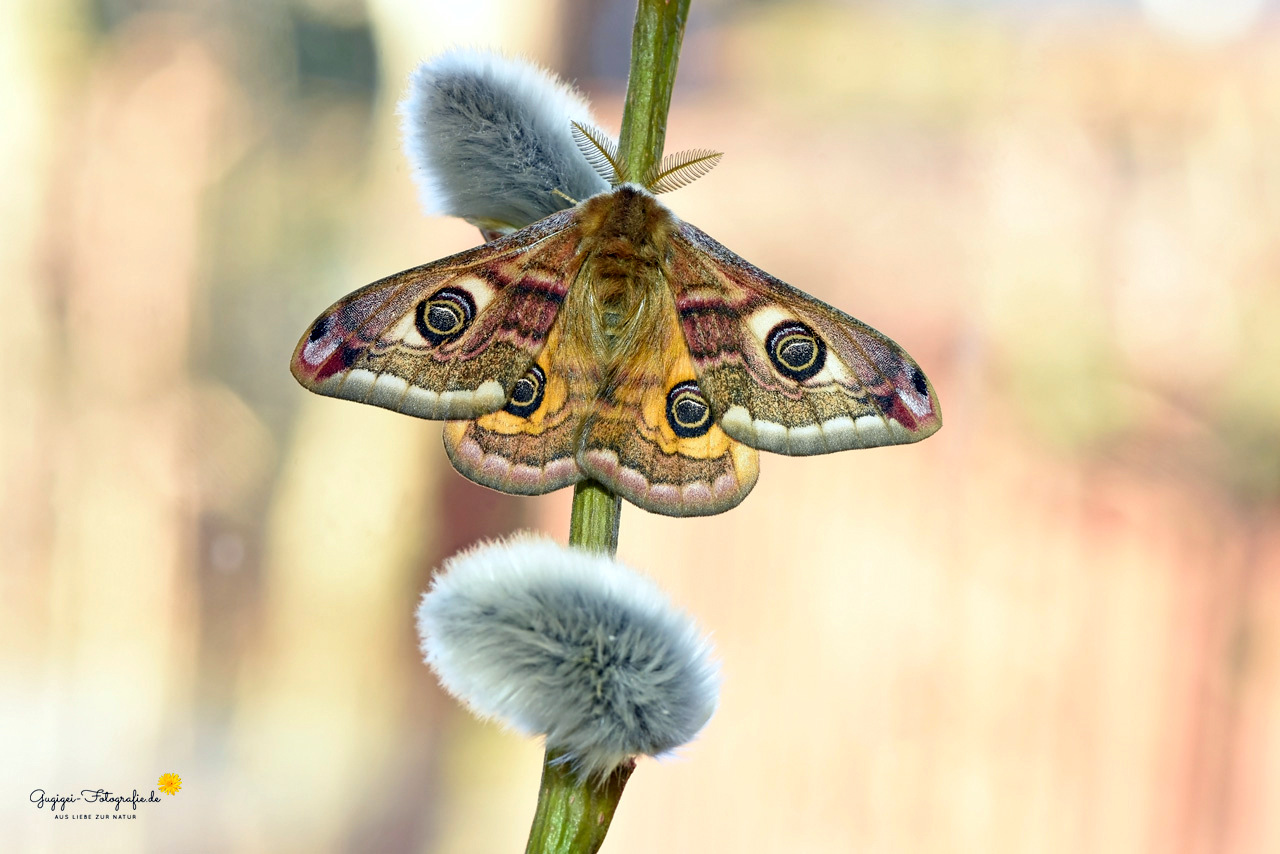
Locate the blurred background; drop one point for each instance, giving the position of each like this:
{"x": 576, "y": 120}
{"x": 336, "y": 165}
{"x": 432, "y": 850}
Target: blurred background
{"x": 1053, "y": 627}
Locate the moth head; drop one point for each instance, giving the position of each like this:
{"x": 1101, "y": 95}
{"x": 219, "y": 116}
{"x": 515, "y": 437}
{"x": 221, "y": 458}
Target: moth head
{"x": 675, "y": 170}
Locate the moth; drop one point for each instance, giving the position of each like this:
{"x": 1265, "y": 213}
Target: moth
{"x": 608, "y": 339}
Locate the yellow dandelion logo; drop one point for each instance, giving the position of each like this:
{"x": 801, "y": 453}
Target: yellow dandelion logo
{"x": 169, "y": 783}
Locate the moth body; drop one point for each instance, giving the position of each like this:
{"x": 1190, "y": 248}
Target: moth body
{"x": 620, "y": 288}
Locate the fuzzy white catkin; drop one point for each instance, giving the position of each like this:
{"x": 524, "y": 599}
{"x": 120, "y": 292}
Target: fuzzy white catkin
{"x": 571, "y": 645}
{"x": 489, "y": 138}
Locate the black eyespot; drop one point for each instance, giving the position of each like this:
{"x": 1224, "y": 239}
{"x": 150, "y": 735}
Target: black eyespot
{"x": 687, "y": 410}
{"x": 318, "y": 331}
{"x": 526, "y": 395}
{"x": 795, "y": 350}
{"x": 445, "y": 315}
{"x": 920, "y": 383}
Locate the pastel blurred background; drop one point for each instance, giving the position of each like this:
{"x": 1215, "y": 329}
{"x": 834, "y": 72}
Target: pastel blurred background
{"x": 1053, "y": 627}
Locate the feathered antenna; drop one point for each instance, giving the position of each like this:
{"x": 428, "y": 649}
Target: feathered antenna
{"x": 601, "y": 152}
{"x": 677, "y": 170}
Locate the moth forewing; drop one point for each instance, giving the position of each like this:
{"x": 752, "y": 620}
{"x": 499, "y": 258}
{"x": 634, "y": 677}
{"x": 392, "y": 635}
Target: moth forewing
{"x": 449, "y": 339}
{"x": 786, "y": 372}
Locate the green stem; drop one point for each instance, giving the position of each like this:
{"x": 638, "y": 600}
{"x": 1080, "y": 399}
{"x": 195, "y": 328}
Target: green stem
{"x": 574, "y": 815}
{"x": 594, "y": 523}
{"x": 655, "y": 53}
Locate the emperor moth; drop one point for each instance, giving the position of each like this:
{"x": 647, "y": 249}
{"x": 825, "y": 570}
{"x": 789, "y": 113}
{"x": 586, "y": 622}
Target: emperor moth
{"x": 608, "y": 339}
